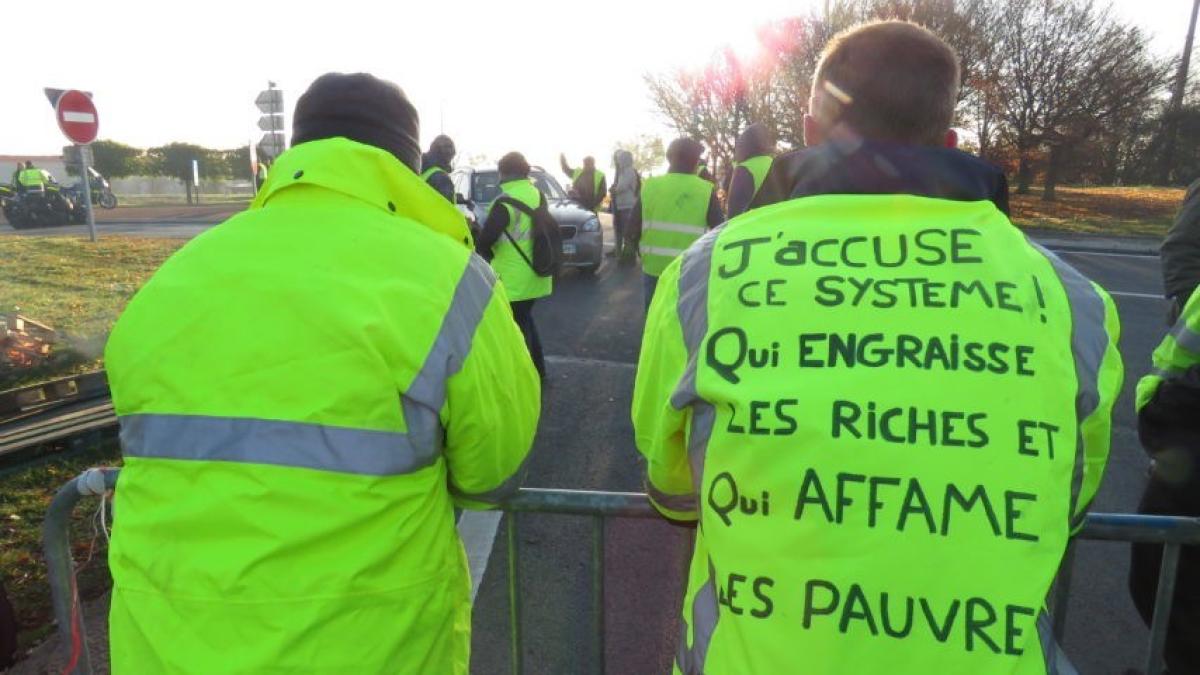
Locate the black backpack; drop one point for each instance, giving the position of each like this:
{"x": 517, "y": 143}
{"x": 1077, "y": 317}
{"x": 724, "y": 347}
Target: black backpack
{"x": 547, "y": 239}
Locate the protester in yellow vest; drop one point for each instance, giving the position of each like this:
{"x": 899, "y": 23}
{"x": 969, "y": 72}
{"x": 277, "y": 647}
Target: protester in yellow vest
{"x": 1168, "y": 400}
{"x": 306, "y": 392}
{"x": 588, "y": 185}
{"x": 507, "y": 241}
{"x": 752, "y": 156}
{"x": 435, "y": 166}
{"x": 32, "y": 177}
{"x": 673, "y": 211}
{"x": 887, "y": 410}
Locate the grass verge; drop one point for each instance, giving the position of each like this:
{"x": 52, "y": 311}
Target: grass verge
{"x": 1110, "y": 211}
{"x": 78, "y": 288}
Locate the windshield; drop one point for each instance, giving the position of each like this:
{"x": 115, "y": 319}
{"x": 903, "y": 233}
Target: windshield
{"x": 485, "y": 185}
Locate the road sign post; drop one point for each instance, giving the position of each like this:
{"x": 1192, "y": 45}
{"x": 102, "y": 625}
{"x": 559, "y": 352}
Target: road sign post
{"x": 270, "y": 102}
{"x": 79, "y": 122}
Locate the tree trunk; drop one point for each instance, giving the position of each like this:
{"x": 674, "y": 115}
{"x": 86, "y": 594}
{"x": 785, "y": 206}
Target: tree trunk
{"x": 1024, "y": 173}
{"x": 1048, "y": 194}
{"x": 187, "y": 185}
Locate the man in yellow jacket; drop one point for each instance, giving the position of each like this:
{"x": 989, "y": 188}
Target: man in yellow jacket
{"x": 305, "y": 393}
{"x": 507, "y": 241}
{"x": 886, "y": 410}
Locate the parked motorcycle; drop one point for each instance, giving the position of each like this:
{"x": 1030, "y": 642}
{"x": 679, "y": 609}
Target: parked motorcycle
{"x": 102, "y": 194}
{"x": 49, "y": 206}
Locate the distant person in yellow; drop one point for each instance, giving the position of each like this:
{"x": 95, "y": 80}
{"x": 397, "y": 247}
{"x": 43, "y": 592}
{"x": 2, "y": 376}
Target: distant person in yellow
{"x": 306, "y": 392}
{"x": 507, "y": 240}
{"x": 885, "y": 408}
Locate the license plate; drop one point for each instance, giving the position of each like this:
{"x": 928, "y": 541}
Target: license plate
{"x": 568, "y": 249}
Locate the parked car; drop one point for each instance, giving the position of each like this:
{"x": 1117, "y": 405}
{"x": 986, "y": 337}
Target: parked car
{"x": 582, "y": 237}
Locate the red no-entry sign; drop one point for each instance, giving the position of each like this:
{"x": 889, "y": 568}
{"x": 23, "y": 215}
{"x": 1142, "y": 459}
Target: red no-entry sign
{"x": 77, "y": 116}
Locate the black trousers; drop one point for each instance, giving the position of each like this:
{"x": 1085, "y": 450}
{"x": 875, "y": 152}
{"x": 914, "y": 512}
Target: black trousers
{"x": 1183, "y": 638}
{"x": 523, "y": 314}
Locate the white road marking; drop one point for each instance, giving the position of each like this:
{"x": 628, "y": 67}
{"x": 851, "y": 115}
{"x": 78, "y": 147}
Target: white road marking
{"x": 1143, "y": 296}
{"x": 73, "y": 116}
{"x": 1107, "y": 254}
{"x": 577, "y": 361}
{"x": 478, "y": 532}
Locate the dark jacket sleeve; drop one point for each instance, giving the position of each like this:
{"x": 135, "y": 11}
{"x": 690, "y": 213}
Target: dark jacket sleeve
{"x": 715, "y": 215}
{"x": 741, "y": 191}
{"x": 1181, "y": 248}
{"x": 633, "y": 229}
{"x": 566, "y": 167}
{"x": 493, "y": 229}
{"x": 441, "y": 182}
{"x": 602, "y": 191}
{"x": 1169, "y": 428}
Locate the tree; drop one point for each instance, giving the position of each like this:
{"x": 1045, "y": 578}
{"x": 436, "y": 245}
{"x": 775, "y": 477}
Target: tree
{"x": 237, "y": 163}
{"x": 648, "y": 152}
{"x": 117, "y": 160}
{"x": 174, "y": 160}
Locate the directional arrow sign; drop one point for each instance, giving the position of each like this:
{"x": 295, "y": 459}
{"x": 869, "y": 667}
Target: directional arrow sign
{"x": 271, "y": 123}
{"x": 270, "y": 100}
{"x": 271, "y": 144}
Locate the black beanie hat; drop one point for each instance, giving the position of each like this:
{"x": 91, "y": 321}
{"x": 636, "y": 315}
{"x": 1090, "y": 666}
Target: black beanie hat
{"x": 360, "y": 107}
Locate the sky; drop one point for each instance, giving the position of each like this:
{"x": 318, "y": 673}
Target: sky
{"x": 538, "y": 76}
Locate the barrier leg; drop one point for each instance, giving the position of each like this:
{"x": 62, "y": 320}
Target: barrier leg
{"x": 514, "y": 595}
{"x": 56, "y": 542}
{"x": 1163, "y": 600}
{"x": 598, "y": 593}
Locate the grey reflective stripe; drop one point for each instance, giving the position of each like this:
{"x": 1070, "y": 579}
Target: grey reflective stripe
{"x": 425, "y": 397}
{"x": 693, "y": 319}
{"x": 327, "y": 448}
{"x": 662, "y": 250}
{"x": 663, "y": 226}
{"x": 1168, "y": 373}
{"x": 1185, "y": 337}
{"x": 1057, "y": 662}
{"x": 685, "y": 503}
{"x": 705, "y": 613}
{"x": 499, "y": 493}
{"x": 1089, "y": 342}
{"x": 257, "y": 441}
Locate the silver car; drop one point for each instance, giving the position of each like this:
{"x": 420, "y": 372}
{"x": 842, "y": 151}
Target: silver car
{"x": 582, "y": 237}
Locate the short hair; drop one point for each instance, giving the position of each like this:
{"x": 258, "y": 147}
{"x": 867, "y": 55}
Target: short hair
{"x": 888, "y": 81}
{"x": 513, "y": 165}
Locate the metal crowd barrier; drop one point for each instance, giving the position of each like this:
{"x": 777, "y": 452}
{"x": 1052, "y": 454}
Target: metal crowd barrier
{"x": 1172, "y": 532}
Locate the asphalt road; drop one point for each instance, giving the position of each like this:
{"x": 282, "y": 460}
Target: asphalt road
{"x": 591, "y": 330}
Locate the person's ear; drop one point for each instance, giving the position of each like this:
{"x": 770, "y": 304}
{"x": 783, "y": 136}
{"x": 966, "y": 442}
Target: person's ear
{"x": 951, "y": 139}
{"x": 813, "y": 135}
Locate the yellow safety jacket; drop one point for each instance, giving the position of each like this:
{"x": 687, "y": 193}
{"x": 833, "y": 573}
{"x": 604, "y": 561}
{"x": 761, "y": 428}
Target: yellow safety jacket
{"x": 674, "y": 214}
{"x": 304, "y": 392}
{"x": 758, "y": 166}
{"x": 597, "y": 178}
{"x": 33, "y": 177}
{"x": 1178, "y": 351}
{"x": 519, "y": 279}
{"x": 888, "y": 414}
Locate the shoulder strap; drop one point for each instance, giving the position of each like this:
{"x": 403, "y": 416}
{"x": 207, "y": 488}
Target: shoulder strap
{"x": 523, "y": 208}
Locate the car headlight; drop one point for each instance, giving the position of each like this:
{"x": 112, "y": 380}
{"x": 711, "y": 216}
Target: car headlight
{"x": 591, "y": 225}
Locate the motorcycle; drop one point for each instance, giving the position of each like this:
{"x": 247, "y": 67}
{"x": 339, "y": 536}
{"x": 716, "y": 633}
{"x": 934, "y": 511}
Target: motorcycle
{"x": 47, "y": 206}
{"x": 102, "y": 194}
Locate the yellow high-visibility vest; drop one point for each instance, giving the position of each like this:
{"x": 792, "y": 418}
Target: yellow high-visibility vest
{"x": 888, "y": 414}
